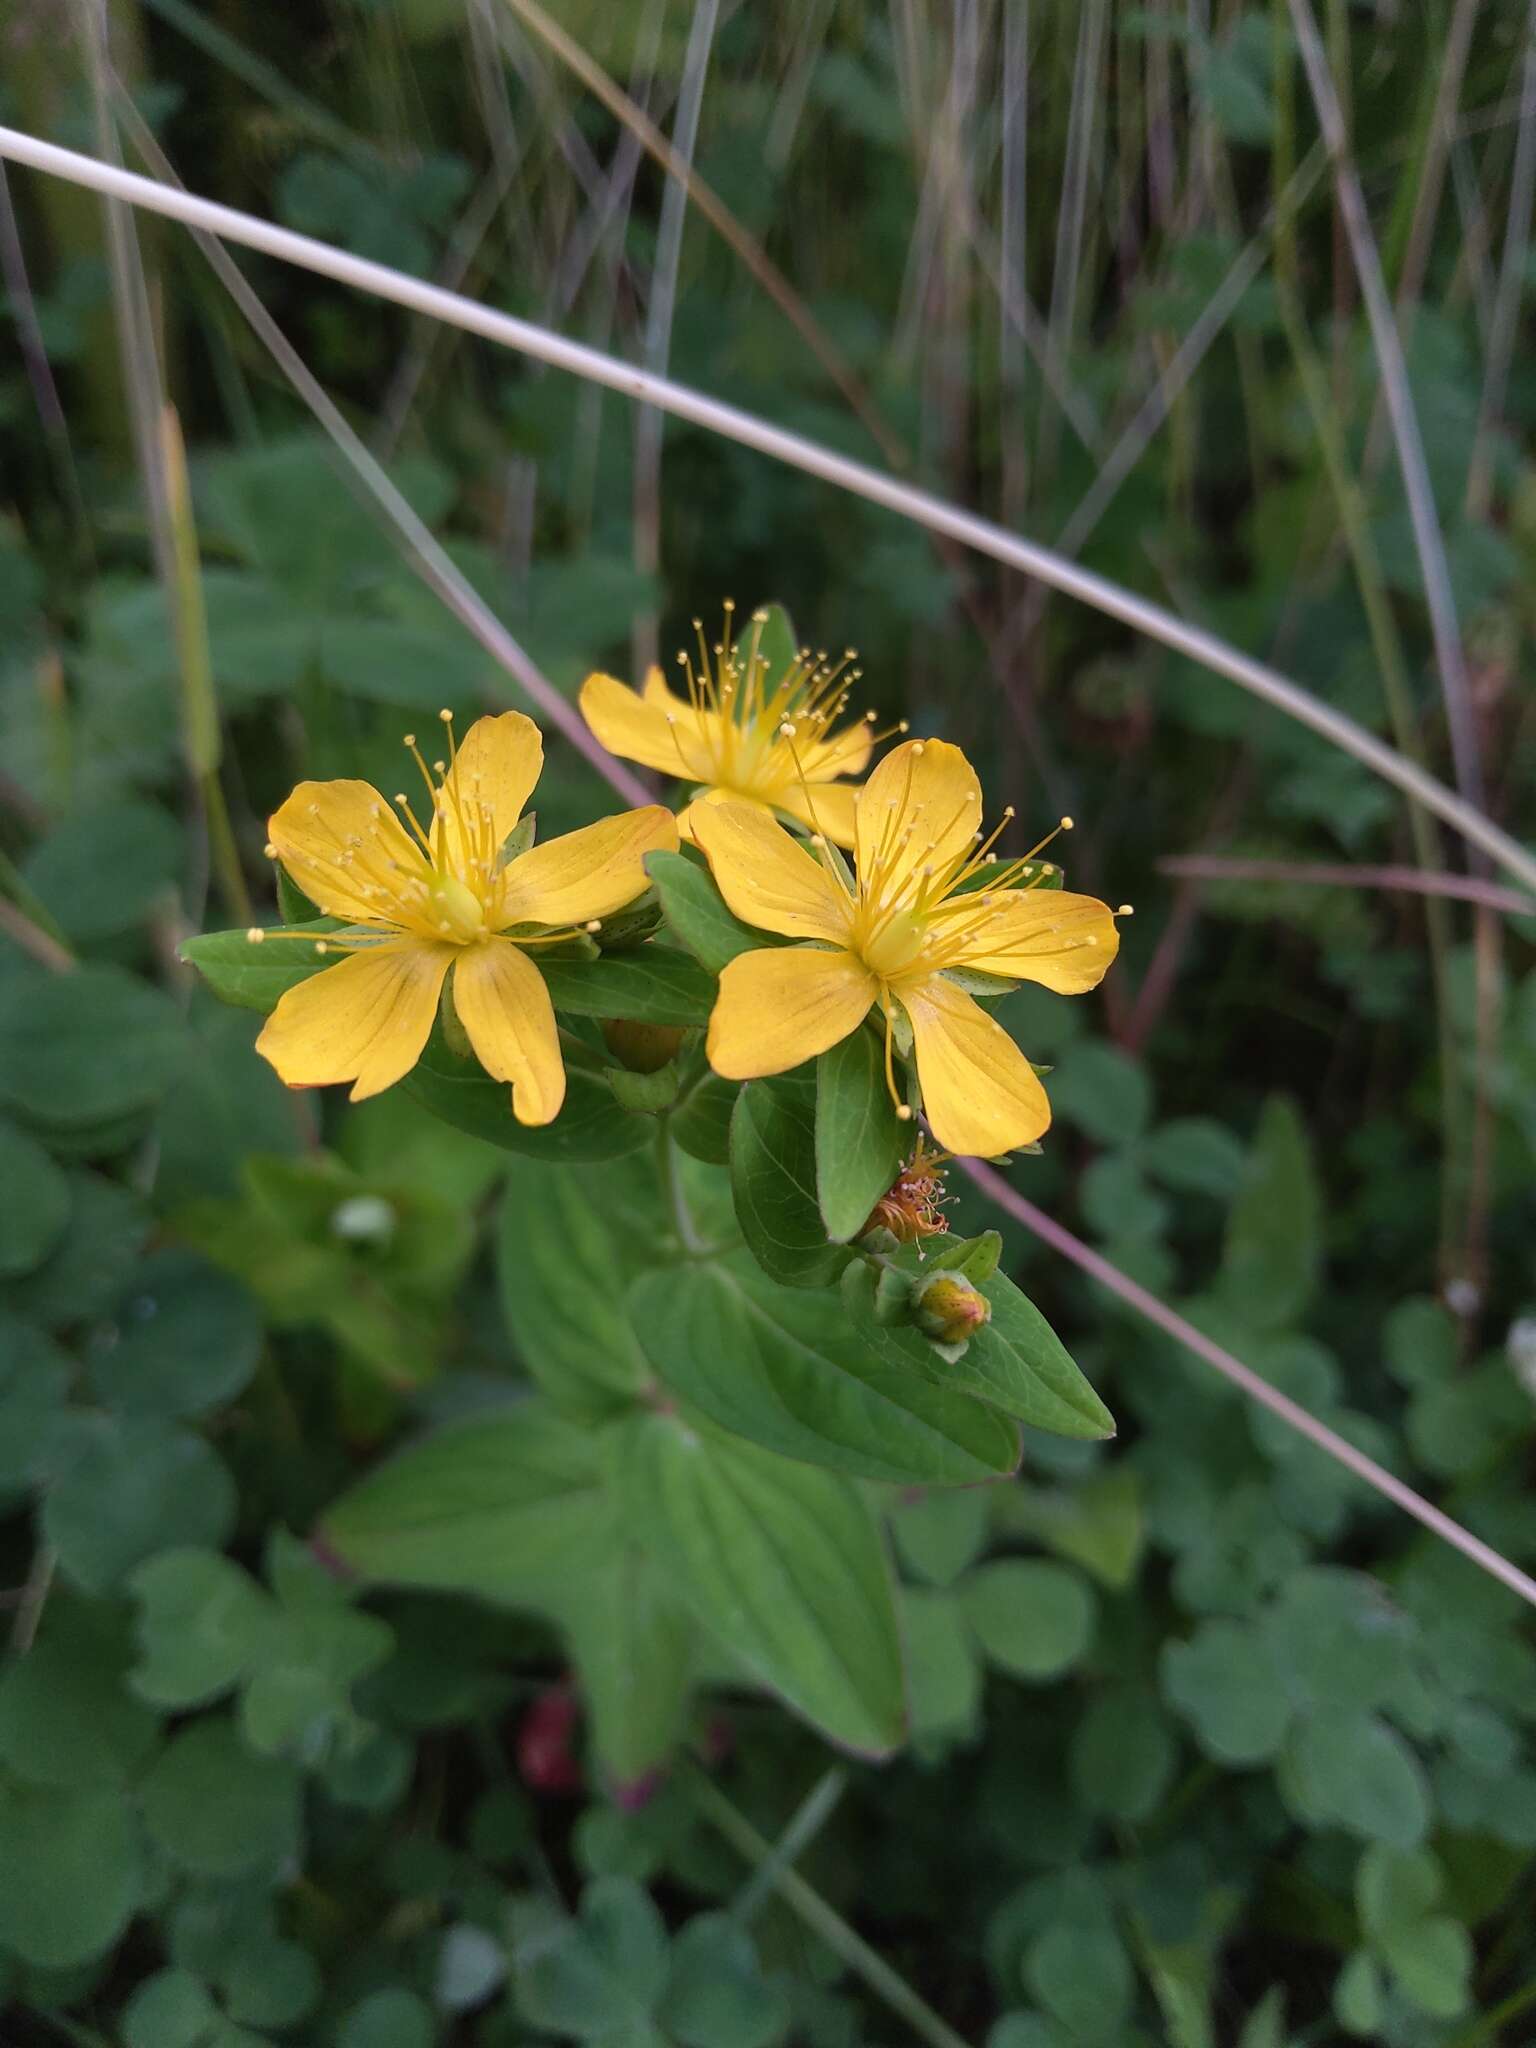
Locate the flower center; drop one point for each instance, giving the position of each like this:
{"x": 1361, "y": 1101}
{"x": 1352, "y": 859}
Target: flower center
{"x": 456, "y": 910}
{"x": 894, "y": 944}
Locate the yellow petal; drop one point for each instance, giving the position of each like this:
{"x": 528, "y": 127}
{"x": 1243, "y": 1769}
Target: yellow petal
{"x": 844, "y": 753}
{"x": 1064, "y": 941}
{"x": 824, "y": 806}
{"x": 658, "y": 730}
{"x": 716, "y": 796}
{"x": 344, "y": 846}
{"x": 365, "y": 1020}
{"x": 655, "y": 690}
{"x": 495, "y": 769}
{"x": 920, "y": 808}
{"x": 504, "y": 1006}
{"x": 981, "y": 1095}
{"x": 767, "y": 878}
{"x": 588, "y": 873}
{"x": 784, "y": 1004}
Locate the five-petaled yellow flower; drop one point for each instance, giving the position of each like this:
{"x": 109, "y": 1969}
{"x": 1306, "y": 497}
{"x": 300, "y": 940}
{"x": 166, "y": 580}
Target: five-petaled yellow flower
{"x": 417, "y": 903}
{"x": 917, "y": 907}
{"x": 739, "y": 739}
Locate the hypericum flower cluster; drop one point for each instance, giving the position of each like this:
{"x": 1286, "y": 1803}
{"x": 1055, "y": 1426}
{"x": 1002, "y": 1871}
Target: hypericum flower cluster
{"x": 742, "y": 734}
{"x": 924, "y": 900}
{"x": 417, "y": 902}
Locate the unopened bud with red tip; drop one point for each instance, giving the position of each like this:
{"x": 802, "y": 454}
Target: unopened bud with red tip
{"x": 949, "y": 1309}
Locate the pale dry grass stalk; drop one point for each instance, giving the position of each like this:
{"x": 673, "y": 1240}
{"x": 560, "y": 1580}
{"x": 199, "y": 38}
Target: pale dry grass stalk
{"x": 418, "y": 545}
{"x": 649, "y": 423}
{"x": 795, "y": 450}
{"x": 1172, "y": 1324}
{"x": 1428, "y": 540}
{"x": 1212, "y": 867}
{"x": 1515, "y": 257}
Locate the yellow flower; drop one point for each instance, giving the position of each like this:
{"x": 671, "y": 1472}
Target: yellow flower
{"x": 741, "y": 741}
{"x": 419, "y": 903}
{"x": 916, "y": 909}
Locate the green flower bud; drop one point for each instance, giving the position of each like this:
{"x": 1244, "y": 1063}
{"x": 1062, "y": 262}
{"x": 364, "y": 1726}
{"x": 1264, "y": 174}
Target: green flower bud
{"x": 949, "y": 1309}
{"x": 643, "y": 1048}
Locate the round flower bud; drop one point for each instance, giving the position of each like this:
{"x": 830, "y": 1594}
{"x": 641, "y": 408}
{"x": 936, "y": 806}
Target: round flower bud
{"x": 949, "y": 1309}
{"x": 643, "y": 1048}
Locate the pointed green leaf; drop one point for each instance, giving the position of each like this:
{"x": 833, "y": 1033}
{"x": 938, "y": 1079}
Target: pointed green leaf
{"x": 252, "y": 974}
{"x": 590, "y": 1126}
{"x": 494, "y": 1505}
{"x": 783, "y": 1368}
{"x": 784, "y": 1566}
{"x": 860, "y": 1141}
{"x": 696, "y": 911}
{"x": 1017, "y": 1363}
{"x": 651, "y": 985}
{"x": 773, "y": 1183}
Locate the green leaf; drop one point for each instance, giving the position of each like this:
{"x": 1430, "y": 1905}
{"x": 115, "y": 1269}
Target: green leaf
{"x": 1273, "y": 1248}
{"x": 1103, "y": 1091}
{"x": 203, "y": 1623}
{"x": 69, "y": 1872}
{"x": 716, "y": 1995}
{"x": 131, "y": 1489}
{"x": 944, "y": 1673}
{"x": 598, "y": 1975}
{"x": 590, "y": 1126}
{"x": 696, "y": 912}
{"x": 861, "y": 1143}
{"x": 102, "y": 868}
{"x": 65, "y": 1718}
{"x": 1123, "y": 1754}
{"x": 218, "y": 1810}
{"x": 35, "y": 1211}
{"x": 498, "y": 1505}
{"x": 34, "y": 1387}
{"x": 651, "y": 985}
{"x": 1431, "y": 1964}
{"x": 271, "y": 1983}
{"x": 701, "y": 1118}
{"x": 1356, "y": 1772}
{"x": 773, "y": 1183}
{"x": 1194, "y": 1155}
{"x": 1358, "y": 1997}
{"x": 172, "y": 2009}
{"x": 781, "y": 1368}
{"x": 1339, "y": 1639}
{"x": 1097, "y": 1523}
{"x": 568, "y": 1243}
{"x": 783, "y": 1565}
{"x": 938, "y": 1535}
{"x": 83, "y": 1049}
{"x": 1016, "y": 1364}
{"x": 1083, "y": 1977}
{"x": 1033, "y": 1619}
{"x": 1226, "y": 1683}
{"x": 188, "y": 1339}
{"x": 388, "y": 2019}
{"x": 633, "y": 1649}
{"x": 92, "y": 1262}
{"x": 253, "y": 974}
{"x": 1395, "y": 1888}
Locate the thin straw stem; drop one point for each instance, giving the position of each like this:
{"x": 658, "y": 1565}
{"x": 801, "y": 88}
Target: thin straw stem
{"x": 1210, "y": 867}
{"x": 1147, "y": 1305}
{"x": 793, "y": 449}
{"x": 1428, "y": 541}
{"x": 418, "y": 545}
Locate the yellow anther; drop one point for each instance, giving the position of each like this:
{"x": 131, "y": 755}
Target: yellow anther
{"x": 255, "y": 935}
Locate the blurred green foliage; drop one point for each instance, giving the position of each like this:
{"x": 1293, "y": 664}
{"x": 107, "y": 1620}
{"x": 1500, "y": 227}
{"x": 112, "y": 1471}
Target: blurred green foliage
{"x": 1207, "y": 1744}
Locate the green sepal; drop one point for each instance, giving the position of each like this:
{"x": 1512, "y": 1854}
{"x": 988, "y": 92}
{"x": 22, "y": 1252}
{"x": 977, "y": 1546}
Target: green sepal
{"x": 893, "y": 1298}
{"x": 985, "y": 987}
{"x": 518, "y": 840}
{"x": 696, "y": 911}
{"x": 648, "y": 1094}
{"x": 975, "y": 1257}
{"x": 635, "y": 922}
{"x": 293, "y": 906}
{"x": 1035, "y": 874}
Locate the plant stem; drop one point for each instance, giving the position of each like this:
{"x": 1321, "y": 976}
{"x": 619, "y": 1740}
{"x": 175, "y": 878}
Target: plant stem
{"x": 675, "y": 1201}
{"x": 805, "y": 1901}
